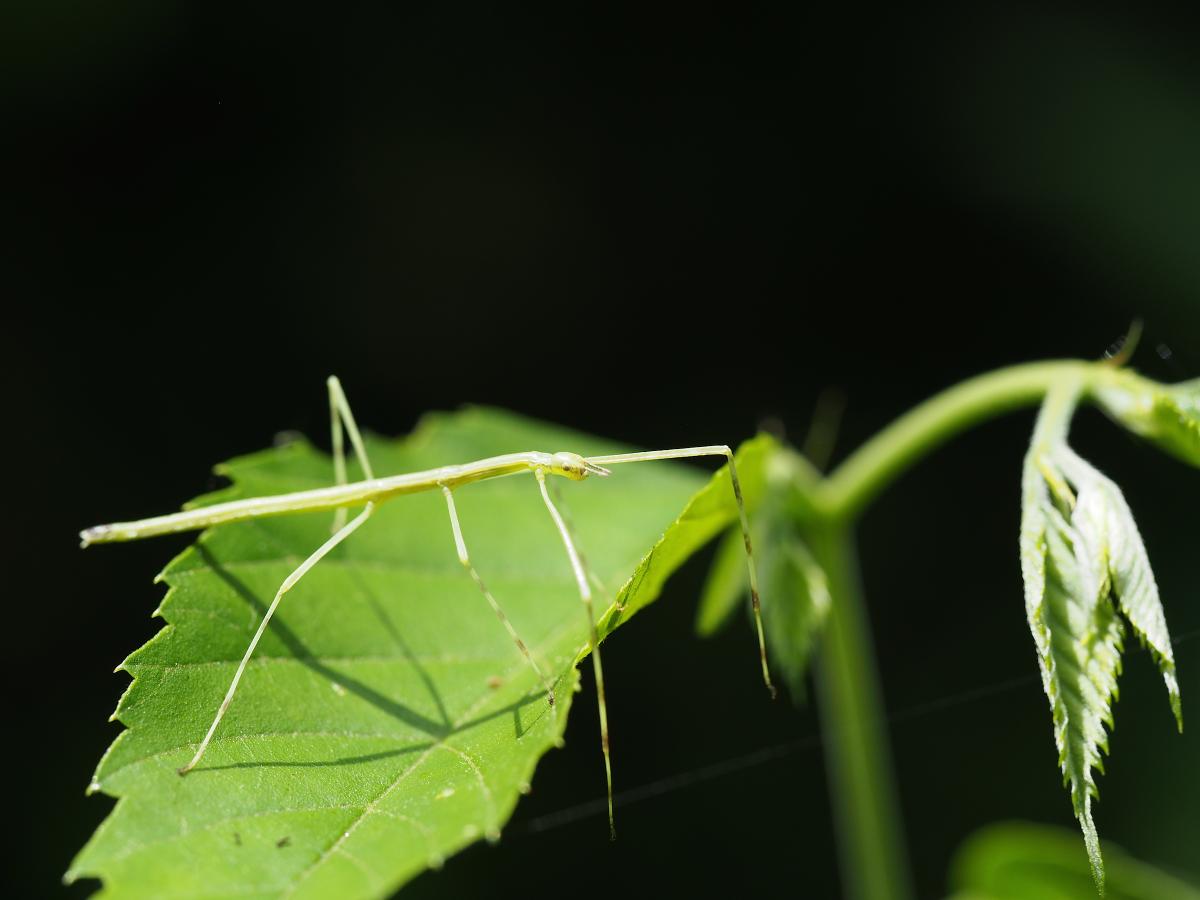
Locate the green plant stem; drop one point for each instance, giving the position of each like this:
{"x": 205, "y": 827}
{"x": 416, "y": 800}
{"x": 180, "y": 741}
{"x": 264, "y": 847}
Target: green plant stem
{"x": 863, "y": 794}
{"x": 871, "y": 468}
{"x": 865, "y": 805}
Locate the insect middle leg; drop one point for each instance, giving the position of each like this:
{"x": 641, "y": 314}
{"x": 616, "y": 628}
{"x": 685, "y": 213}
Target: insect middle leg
{"x": 288, "y": 583}
{"x": 585, "y": 594}
{"x": 561, "y": 503}
{"x": 463, "y": 557}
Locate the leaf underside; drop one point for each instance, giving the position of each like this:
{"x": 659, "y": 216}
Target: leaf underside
{"x": 387, "y": 720}
{"x": 1085, "y": 567}
{"x": 1168, "y": 415}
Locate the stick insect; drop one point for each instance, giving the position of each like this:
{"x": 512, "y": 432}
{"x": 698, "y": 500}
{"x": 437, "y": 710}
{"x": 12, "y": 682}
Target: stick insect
{"x": 372, "y": 491}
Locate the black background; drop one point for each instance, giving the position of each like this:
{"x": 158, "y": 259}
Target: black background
{"x": 664, "y": 227}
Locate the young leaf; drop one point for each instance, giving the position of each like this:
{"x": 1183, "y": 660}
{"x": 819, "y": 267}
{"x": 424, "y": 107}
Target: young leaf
{"x": 386, "y": 720}
{"x": 728, "y": 583}
{"x": 726, "y": 586}
{"x": 1078, "y": 637}
{"x": 1114, "y": 547}
{"x": 795, "y": 596}
{"x": 1081, "y": 556}
{"x": 1075, "y": 632}
{"x": 1168, "y": 415}
{"x": 798, "y": 606}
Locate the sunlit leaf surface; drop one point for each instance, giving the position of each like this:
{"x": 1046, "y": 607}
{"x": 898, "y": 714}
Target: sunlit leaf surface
{"x": 386, "y": 720}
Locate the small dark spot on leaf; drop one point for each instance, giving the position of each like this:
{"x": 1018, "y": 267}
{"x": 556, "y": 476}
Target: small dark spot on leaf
{"x": 237, "y": 839}
{"x": 495, "y": 681}
{"x": 283, "y": 842}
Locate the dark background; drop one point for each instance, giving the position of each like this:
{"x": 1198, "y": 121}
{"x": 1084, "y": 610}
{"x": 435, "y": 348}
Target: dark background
{"x": 664, "y": 227}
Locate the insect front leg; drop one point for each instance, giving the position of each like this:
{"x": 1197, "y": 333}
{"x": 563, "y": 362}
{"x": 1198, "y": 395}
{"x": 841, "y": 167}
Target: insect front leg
{"x": 713, "y": 450}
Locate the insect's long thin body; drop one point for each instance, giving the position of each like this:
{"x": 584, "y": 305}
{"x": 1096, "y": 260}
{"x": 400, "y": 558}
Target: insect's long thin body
{"x": 372, "y": 491}
{"x": 356, "y": 493}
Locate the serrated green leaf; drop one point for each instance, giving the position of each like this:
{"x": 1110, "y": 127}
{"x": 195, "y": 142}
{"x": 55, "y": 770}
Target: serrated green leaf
{"x": 386, "y": 720}
{"x": 1082, "y": 558}
{"x": 1074, "y": 627}
{"x": 1114, "y": 546}
{"x": 1168, "y": 415}
{"x": 1079, "y": 673}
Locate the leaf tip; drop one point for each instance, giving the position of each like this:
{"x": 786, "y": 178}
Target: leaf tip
{"x": 1092, "y": 841}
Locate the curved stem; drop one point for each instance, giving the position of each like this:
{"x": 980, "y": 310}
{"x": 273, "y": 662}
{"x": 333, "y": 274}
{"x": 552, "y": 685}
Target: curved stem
{"x": 872, "y": 467}
{"x": 863, "y": 794}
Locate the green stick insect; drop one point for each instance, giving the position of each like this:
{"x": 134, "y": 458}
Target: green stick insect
{"x": 373, "y": 490}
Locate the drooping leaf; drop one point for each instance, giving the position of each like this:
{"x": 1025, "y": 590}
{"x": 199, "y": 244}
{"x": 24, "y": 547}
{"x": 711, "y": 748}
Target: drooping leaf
{"x": 795, "y": 596}
{"x": 1078, "y": 637}
{"x": 798, "y": 608}
{"x": 1168, "y": 415}
{"x": 1076, "y": 634}
{"x": 1022, "y": 861}
{"x": 1082, "y": 558}
{"x": 386, "y": 720}
{"x": 727, "y": 584}
{"x": 1115, "y": 549}
{"x": 726, "y": 587}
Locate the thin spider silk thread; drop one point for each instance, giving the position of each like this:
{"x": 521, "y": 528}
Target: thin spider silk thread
{"x": 683, "y": 780}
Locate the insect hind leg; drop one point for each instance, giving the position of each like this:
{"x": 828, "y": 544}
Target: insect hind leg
{"x": 288, "y": 583}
